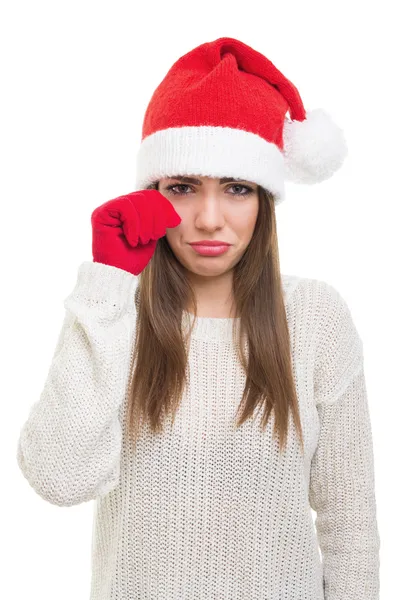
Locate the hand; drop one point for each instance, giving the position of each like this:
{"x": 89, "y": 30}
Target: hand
{"x": 125, "y": 230}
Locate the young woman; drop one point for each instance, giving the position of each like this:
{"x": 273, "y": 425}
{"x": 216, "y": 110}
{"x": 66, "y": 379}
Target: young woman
{"x": 206, "y": 401}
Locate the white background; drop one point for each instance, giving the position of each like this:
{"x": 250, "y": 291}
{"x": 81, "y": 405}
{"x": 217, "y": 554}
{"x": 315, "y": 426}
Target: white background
{"x": 76, "y": 78}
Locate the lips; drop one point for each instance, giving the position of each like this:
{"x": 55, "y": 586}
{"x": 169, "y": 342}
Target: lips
{"x": 208, "y": 249}
{"x": 210, "y": 243}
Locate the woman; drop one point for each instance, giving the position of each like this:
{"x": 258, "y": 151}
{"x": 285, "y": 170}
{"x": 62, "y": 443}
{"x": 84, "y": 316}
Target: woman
{"x": 206, "y": 401}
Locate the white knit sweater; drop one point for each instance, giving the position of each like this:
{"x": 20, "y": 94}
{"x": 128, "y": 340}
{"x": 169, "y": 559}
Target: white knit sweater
{"x": 203, "y": 511}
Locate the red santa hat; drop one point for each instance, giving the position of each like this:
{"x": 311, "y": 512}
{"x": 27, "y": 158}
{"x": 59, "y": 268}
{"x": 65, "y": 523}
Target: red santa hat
{"x": 221, "y": 111}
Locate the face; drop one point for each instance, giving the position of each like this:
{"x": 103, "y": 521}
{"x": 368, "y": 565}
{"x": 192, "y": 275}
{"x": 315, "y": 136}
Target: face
{"x": 211, "y": 209}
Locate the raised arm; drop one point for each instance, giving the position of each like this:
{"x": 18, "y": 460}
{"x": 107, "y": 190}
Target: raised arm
{"x": 69, "y": 447}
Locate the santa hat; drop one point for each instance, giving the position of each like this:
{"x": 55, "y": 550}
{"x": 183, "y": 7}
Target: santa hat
{"x": 221, "y": 111}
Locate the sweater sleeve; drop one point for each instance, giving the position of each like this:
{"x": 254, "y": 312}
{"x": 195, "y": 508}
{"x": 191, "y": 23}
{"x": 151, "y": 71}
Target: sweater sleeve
{"x": 69, "y": 447}
{"x": 342, "y": 486}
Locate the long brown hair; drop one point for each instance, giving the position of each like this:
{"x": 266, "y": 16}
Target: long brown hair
{"x": 160, "y": 352}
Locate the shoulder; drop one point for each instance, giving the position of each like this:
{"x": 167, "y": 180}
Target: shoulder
{"x": 321, "y": 312}
{"x": 317, "y": 297}
{"x": 311, "y": 305}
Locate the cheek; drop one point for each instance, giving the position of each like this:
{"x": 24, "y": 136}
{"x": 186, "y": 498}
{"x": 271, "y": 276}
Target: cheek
{"x": 173, "y": 235}
{"x": 186, "y": 216}
{"x": 252, "y": 217}
{"x": 245, "y": 221}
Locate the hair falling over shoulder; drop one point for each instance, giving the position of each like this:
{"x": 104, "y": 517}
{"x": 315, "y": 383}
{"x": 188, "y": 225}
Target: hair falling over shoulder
{"x": 160, "y": 352}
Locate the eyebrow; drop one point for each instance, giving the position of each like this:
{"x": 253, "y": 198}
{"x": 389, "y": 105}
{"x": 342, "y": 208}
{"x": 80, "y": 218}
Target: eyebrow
{"x": 198, "y": 182}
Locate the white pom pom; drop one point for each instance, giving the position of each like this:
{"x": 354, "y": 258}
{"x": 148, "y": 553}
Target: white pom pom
{"x": 314, "y": 149}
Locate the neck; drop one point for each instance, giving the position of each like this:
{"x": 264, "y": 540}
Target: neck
{"x": 213, "y": 295}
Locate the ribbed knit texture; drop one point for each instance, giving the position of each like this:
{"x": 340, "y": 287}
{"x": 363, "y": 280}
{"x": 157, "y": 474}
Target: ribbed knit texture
{"x": 205, "y": 511}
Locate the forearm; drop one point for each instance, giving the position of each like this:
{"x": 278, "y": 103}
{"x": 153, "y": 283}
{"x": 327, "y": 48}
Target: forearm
{"x": 343, "y": 494}
{"x": 69, "y": 447}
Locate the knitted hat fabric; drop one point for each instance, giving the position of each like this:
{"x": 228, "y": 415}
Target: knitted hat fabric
{"x": 221, "y": 110}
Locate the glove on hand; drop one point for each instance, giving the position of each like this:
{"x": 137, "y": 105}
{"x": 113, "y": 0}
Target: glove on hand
{"x": 125, "y": 230}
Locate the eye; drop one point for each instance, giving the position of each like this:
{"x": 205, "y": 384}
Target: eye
{"x": 247, "y": 189}
{"x": 176, "y": 185}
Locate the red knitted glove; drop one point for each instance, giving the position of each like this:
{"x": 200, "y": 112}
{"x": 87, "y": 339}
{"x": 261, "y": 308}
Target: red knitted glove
{"x": 125, "y": 230}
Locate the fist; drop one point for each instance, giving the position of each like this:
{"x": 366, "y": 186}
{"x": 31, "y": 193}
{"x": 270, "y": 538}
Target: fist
{"x": 125, "y": 230}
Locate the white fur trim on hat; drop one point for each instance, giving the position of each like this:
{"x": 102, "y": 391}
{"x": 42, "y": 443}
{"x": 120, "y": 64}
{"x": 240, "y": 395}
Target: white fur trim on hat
{"x": 213, "y": 152}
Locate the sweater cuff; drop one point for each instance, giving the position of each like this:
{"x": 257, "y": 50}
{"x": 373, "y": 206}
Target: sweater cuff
{"x": 105, "y": 285}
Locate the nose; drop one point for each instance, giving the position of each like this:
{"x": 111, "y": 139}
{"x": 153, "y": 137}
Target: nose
{"x": 210, "y": 215}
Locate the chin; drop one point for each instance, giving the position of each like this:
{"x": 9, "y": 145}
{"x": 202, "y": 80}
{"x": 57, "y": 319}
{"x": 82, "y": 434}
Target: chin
{"x": 211, "y": 270}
